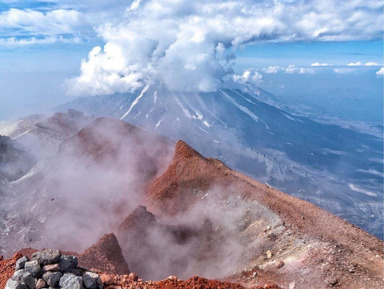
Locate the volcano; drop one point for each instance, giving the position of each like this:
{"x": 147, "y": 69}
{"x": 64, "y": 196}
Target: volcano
{"x": 336, "y": 168}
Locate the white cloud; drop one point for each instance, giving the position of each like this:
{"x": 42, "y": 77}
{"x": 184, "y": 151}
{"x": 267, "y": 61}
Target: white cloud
{"x": 319, "y": 64}
{"x": 358, "y": 63}
{"x": 248, "y": 76}
{"x": 15, "y": 42}
{"x": 184, "y": 45}
{"x": 304, "y": 70}
{"x": 272, "y": 69}
{"x": 371, "y": 64}
{"x": 37, "y": 22}
{"x": 291, "y": 69}
{"x": 380, "y": 72}
{"x": 343, "y": 70}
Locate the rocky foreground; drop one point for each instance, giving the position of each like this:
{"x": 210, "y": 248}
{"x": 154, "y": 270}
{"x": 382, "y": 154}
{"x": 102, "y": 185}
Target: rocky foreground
{"x": 52, "y": 269}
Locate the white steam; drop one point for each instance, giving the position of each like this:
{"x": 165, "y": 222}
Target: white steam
{"x": 188, "y": 45}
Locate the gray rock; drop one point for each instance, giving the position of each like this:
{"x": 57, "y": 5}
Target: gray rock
{"x": 52, "y": 278}
{"x": 71, "y": 281}
{"x": 18, "y": 275}
{"x": 68, "y": 262}
{"x": 77, "y": 272}
{"x": 46, "y": 257}
{"x": 21, "y": 262}
{"x": 92, "y": 281}
{"x": 12, "y": 284}
{"x": 25, "y": 277}
{"x": 33, "y": 267}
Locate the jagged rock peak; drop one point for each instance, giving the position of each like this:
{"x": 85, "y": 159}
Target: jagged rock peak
{"x": 183, "y": 150}
{"x": 106, "y": 255}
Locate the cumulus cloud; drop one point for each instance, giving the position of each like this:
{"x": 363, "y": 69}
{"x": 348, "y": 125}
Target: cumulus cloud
{"x": 358, "y": 63}
{"x": 248, "y": 76}
{"x": 371, "y": 64}
{"x": 188, "y": 45}
{"x": 272, "y": 69}
{"x": 380, "y": 72}
{"x": 291, "y": 69}
{"x": 319, "y": 64}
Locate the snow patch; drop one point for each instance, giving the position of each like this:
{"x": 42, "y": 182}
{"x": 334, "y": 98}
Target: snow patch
{"x": 360, "y": 190}
{"x": 242, "y": 108}
{"x": 136, "y": 101}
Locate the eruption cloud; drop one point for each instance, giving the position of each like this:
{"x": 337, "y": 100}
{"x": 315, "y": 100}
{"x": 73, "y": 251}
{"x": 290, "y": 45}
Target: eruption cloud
{"x": 189, "y": 46}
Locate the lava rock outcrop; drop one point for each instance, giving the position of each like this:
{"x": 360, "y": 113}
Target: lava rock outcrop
{"x": 106, "y": 256}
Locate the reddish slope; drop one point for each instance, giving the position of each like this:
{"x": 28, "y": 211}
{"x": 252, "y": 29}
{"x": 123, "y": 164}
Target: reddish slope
{"x": 317, "y": 247}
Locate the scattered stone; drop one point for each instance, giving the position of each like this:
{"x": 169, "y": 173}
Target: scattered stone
{"x": 21, "y": 262}
{"x": 33, "y": 267}
{"x": 52, "y": 278}
{"x": 332, "y": 281}
{"x": 46, "y": 257}
{"x": 91, "y": 280}
{"x": 71, "y": 281}
{"x": 133, "y": 276}
{"x": 172, "y": 278}
{"x": 269, "y": 254}
{"x": 1, "y": 257}
{"x": 52, "y": 267}
{"x": 107, "y": 279}
{"x": 12, "y": 284}
{"x": 279, "y": 264}
{"x": 41, "y": 284}
{"x": 254, "y": 275}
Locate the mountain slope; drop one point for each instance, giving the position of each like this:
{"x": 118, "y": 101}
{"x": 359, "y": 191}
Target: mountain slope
{"x": 335, "y": 168}
{"x": 202, "y": 217}
{"x": 308, "y": 246}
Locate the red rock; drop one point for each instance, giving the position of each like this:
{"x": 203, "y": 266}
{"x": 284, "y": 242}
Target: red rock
{"x": 40, "y": 284}
{"x": 106, "y": 256}
{"x": 52, "y": 267}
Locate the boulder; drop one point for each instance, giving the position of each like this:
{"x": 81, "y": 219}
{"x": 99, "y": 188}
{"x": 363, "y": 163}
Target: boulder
{"x": 92, "y": 281}
{"x": 68, "y": 262}
{"x": 24, "y": 277}
{"x": 71, "y": 281}
{"x": 12, "y": 284}
{"x": 46, "y": 257}
{"x": 33, "y": 267}
{"x": 21, "y": 262}
{"x": 52, "y": 278}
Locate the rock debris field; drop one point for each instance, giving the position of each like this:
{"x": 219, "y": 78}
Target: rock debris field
{"x": 50, "y": 269}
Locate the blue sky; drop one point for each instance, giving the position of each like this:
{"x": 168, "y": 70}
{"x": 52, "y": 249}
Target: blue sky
{"x": 43, "y": 43}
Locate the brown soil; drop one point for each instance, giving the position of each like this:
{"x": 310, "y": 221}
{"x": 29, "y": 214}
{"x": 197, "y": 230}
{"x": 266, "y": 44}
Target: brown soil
{"x": 115, "y": 282}
{"x": 7, "y": 268}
